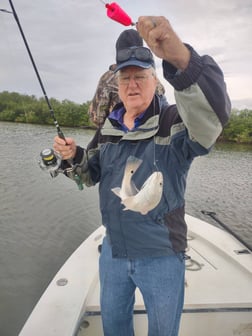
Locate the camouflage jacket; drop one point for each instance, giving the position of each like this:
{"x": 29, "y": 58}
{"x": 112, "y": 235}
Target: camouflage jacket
{"x": 105, "y": 98}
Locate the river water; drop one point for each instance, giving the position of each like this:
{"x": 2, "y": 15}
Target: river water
{"x": 43, "y": 220}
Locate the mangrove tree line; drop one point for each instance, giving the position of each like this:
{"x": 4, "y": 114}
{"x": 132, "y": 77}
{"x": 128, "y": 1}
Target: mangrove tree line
{"x": 17, "y": 107}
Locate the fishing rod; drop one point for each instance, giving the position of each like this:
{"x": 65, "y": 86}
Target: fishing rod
{"x": 224, "y": 226}
{"x": 50, "y": 161}
{"x": 60, "y": 133}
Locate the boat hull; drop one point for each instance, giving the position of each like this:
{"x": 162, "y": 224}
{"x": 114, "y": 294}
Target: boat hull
{"x": 218, "y": 296}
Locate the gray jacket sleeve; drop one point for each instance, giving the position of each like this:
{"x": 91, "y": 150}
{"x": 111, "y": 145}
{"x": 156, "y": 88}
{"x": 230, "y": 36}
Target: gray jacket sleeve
{"x": 201, "y": 97}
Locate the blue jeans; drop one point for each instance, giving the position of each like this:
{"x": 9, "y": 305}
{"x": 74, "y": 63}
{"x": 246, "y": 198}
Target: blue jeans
{"x": 161, "y": 282}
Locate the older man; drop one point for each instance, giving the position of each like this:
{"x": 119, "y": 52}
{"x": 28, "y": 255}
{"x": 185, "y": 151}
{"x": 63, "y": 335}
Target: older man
{"x": 106, "y": 94}
{"x": 141, "y": 136}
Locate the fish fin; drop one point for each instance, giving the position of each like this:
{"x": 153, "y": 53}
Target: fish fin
{"x": 144, "y": 212}
{"x": 117, "y": 191}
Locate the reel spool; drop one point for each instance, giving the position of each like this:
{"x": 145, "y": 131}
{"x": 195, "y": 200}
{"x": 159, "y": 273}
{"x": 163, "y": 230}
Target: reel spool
{"x": 50, "y": 161}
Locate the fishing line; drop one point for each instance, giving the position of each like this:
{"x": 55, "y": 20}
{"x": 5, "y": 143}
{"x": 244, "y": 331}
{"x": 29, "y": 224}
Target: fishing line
{"x": 116, "y": 13}
{"x": 50, "y": 161}
{"x": 5, "y": 11}
{"x": 154, "y": 138}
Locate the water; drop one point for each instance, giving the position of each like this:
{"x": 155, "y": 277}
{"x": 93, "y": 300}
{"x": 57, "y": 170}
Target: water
{"x": 43, "y": 220}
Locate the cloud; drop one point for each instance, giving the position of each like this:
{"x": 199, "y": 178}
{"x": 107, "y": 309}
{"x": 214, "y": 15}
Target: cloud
{"x": 72, "y": 42}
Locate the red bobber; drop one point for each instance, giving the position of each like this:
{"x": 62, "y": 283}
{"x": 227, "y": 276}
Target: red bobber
{"x": 116, "y": 13}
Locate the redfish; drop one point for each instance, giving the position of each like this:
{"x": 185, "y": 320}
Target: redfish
{"x": 145, "y": 199}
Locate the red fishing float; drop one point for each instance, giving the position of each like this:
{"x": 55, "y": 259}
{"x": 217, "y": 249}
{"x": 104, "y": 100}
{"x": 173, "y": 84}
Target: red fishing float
{"x": 116, "y": 13}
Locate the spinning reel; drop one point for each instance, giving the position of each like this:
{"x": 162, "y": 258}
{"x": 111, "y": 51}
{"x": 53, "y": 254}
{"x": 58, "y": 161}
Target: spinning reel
{"x": 50, "y": 161}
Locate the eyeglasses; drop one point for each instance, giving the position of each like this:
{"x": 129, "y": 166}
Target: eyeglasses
{"x": 124, "y": 79}
{"x": 140, "y": 53}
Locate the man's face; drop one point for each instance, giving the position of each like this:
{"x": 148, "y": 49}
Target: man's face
{"x": 136, "y": 88}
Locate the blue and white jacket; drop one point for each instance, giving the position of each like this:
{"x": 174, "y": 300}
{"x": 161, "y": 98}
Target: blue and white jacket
{"x": 169, "y": 137}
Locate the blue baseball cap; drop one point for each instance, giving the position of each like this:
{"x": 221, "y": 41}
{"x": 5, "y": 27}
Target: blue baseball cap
{"x": 130, "y": 51}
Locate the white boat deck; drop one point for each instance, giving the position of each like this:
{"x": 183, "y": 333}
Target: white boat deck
{"x": 217, "y": 283}
{"x": 218, "y": 290}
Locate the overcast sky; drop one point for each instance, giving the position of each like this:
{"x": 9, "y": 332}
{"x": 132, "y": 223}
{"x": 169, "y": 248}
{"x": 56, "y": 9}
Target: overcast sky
{"x": 73, "y": 43}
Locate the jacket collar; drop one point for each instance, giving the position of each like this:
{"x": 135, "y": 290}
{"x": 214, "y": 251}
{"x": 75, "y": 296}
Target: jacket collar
{"x": 148, "y": 127}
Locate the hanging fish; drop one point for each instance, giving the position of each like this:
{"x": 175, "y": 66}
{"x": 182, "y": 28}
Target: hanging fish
{"x": 148, "y": 197}
{"x": 145, "y": 199}
{"x": 116, "y": 13}
{"x": 128, "y": 187}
